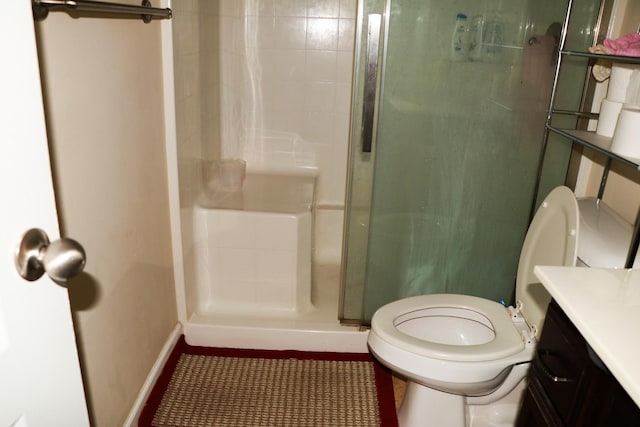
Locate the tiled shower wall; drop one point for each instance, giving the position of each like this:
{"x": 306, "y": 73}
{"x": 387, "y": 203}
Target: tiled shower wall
{"x": 268, "y": 81}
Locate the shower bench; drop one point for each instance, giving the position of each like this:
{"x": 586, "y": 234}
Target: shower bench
{"x": 254, "y": 246}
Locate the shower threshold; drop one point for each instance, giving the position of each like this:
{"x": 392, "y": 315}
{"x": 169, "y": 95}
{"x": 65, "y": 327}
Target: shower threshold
{"x": 316, "y": 328}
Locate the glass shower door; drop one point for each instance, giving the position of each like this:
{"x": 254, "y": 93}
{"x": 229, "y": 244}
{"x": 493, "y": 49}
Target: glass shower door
{"x": 441, "y": 203}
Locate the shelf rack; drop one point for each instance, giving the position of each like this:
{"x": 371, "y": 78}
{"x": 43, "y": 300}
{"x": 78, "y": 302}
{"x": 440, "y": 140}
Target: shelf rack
{"x": 589, "y": 139}
{"x": 598, "y": 143}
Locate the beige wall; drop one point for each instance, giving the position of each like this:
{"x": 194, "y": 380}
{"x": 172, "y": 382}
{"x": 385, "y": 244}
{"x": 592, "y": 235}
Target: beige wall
{"x": 103, "y": 95}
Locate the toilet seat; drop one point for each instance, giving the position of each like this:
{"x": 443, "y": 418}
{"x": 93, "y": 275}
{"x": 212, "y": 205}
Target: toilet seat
{"x": 508, "y": 340}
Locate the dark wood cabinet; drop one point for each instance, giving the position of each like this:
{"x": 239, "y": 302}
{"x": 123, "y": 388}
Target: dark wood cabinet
{"x": 569, "y": 386}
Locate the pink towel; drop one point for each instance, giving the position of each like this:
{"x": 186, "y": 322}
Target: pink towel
{"x": 628, "y": 45}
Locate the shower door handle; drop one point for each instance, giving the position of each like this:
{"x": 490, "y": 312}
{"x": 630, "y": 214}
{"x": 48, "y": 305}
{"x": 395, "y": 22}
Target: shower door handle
{"x": 61, "y": 259}
{"x": 370, "y": 80}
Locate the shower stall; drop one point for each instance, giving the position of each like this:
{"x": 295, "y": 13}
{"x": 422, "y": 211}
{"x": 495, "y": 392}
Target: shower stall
{"x": 269, "y": 83}
{"x": 377, "y": 167}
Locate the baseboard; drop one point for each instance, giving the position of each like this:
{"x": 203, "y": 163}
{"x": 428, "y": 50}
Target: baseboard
{"x": 134, "y": 414}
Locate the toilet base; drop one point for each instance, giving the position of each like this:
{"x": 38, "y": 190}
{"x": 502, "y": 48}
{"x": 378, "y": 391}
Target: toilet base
{"x": 423, "y": 406}
{"x": 501, "y": 413}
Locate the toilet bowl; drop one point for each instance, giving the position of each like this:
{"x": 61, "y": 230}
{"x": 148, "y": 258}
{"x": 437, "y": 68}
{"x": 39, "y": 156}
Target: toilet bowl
{"x": 465, "y": 357}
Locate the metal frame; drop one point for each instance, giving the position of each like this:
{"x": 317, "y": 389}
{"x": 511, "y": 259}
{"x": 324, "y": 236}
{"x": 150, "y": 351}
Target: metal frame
{"x": 554, "y": 87}
{"x": 604, "y": 13}
{"x": 371, "y": 81}
{"x": 146, "y": 12}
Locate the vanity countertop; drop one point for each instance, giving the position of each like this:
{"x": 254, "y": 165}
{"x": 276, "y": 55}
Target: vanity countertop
{"x": 604, "y": 305}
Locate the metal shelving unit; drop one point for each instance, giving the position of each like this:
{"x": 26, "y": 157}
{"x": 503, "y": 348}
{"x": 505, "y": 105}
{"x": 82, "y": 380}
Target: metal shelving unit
{"x": 599, "y": 143}
{"x": 596, "y": 142}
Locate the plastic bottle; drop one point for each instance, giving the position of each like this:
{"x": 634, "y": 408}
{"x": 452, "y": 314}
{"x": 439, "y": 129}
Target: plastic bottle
{"x": 475, "y": 37}
{"x": 493, "y": 39}
{"x": 460, "y": 40}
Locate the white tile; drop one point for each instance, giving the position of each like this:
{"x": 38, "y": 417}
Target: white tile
{"x": 346, "y": 35}
{"x": 290, "y": 32}
{"x": 322, "y": 34}
{"x": 320, "y": 96}
{"x": 282, "y": 65}
{"x": 342, "y": 127}
{"x": 343, "y": 99}
{"x": 307, "y": 42}
{"x": 344, "y": 67}
{"x": 323, "y": 8}
{"x": 321, "y": 65}
{"x": 287, "y": 96}
{"x": 291, "y": 119}
{"x": 264, "y": 27}
{"x": 318, "y": 127}
{"x": 290, "y": 8}
{"x": 260, "y": 7}
{"x": 348, "y": 9}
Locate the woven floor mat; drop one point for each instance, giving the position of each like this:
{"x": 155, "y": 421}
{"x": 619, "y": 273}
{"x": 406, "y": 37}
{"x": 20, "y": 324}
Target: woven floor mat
{"x": 226, "y": 387}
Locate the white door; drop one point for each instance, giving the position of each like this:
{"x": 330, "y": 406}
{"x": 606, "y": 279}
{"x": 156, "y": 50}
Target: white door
{"x": 40, "y": 382}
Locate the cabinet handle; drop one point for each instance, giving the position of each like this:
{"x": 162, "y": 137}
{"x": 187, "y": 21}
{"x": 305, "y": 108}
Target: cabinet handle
{"x": 539, "y": 361}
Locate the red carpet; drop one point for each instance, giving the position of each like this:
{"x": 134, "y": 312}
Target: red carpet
{"x": 202, "y": 386}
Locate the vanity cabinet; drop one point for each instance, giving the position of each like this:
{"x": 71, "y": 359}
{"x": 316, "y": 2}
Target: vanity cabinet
{"x": 569, "y": 386}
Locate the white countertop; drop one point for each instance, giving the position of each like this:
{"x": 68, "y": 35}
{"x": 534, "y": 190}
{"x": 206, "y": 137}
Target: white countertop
{"x": 604, "y": 304}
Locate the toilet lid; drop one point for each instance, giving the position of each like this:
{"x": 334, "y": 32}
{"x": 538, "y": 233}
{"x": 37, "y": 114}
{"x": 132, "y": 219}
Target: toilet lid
{"x": 551, "y": 240}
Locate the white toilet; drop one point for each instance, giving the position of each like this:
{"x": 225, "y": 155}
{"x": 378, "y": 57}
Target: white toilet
{"x": 465, "y": 358}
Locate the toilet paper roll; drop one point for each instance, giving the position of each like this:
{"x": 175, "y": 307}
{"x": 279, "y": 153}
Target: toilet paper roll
{"x": 632, "y": 99}
{"x": 609, "y": 112}
{"x": 626, "y": 138}
{"x": 619, "y": 81}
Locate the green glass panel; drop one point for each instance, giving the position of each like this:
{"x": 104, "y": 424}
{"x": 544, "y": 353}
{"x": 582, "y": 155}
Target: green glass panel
{"x": 457, "y": 151}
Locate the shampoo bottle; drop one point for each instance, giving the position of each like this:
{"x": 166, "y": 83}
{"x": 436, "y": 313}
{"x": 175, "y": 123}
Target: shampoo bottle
{"x": 475, "y": 37}
{"x": 460, "y": 40}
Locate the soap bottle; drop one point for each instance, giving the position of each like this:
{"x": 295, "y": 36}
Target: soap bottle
{"x": 460, "y": 40}
{"x": 493, "y": 39}
{"x": 475, "y": 37}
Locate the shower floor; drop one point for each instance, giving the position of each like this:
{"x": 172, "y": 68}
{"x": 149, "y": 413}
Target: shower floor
{"x": 316, "y": 328}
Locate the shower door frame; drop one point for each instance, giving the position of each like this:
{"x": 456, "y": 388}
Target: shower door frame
{"x": 359, "y": 114}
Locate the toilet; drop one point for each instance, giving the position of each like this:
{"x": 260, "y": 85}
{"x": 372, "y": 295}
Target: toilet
{"x": 465, "y": 358}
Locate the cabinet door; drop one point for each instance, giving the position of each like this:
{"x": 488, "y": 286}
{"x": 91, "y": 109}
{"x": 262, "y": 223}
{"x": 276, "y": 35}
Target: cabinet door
{"x": 537, "y": 410}
{"x": 606, "y": 403}
{"x": 561, "y": 365}
{"x": 568, "y": 387}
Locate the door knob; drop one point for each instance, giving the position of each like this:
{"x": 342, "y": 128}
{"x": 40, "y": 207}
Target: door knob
{"x": 61, "y": 259}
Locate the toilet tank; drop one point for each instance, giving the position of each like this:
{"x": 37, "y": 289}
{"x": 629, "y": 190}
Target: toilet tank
{"x": 604, "y": 236}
